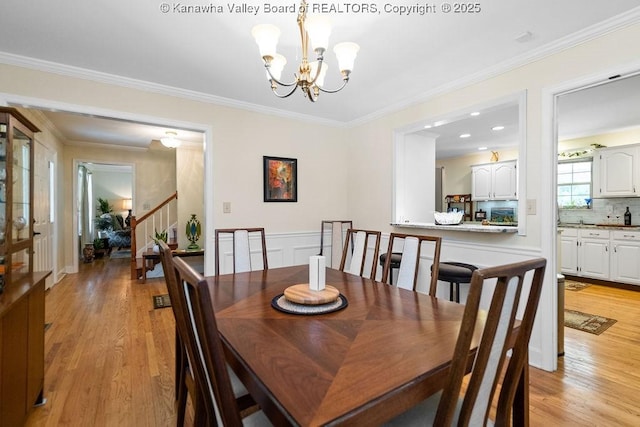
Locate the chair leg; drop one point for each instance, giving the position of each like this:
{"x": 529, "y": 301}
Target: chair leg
{"x": 450, "y": 291}
{"x": 457, "y": 292}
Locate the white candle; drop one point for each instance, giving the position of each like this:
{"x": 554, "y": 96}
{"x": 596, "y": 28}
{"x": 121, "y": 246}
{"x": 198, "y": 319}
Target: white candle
{"x": 317, "y": 272}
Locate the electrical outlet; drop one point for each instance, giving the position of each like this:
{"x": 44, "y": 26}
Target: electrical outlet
{"x": 226, "y": 207}
{"x": 531, "y": 206}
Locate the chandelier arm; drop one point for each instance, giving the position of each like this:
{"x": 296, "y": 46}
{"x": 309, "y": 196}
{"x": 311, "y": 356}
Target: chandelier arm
{"x": 335, "y": 90}
{"x": 268, "y": 68}
{"x": 286, "y": 95}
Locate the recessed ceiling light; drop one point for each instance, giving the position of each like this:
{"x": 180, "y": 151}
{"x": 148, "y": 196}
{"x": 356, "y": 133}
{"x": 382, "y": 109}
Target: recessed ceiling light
{"x": 475, "y": 113}
{"x": 497, "y": 128}
{"x": 440, "y": 123}
{"x": 427, "y": 126}
{"x": 465, "y": 135}
{"x": 482, "y": 148}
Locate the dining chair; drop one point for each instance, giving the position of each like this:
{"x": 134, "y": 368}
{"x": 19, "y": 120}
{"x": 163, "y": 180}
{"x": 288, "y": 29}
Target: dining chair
{"x": 184, "y": 380}
{"x": 356, "y": 250}
{"x": 241, "y": 248}
{"x": 410, "y": 260}
{"x": 505, "y": 284}
{"x": 211, "y": 372}
{"x": 337, "y": 229}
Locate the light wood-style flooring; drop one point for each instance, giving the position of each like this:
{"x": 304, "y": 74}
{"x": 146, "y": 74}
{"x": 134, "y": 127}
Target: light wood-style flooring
{"x": 109, "y": 357}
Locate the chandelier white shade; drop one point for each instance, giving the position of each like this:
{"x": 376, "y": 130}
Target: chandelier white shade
{"x": 170, "y": 140}
{"x": 310, "y": 76}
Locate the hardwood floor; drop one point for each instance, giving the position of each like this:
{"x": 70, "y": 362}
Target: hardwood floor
{"x": 109, "y": 357}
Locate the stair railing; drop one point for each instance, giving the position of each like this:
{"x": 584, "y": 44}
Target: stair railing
{"x": 161, "y": 217}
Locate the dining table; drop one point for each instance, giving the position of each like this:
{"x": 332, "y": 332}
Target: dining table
{"x": 381, "y": 352}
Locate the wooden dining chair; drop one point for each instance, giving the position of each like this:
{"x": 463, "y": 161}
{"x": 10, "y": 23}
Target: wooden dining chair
{"x": 184, "y": 377}
{"x": 356, "y": 250}
{"x": 184, "y": 382}
{"x": 410, "y": 260}
{"x": 506, "y": 285}
{"x": 211, "y": 373}
{"x": 241, "y": 248}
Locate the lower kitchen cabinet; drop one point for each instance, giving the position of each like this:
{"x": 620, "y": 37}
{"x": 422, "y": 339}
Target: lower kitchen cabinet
{"x": 593, "y": 253}
{"x": 612, "y": 255}
{"x": 625, "y": 257}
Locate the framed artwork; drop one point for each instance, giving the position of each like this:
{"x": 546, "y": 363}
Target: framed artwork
{"x": 280, "y": 179}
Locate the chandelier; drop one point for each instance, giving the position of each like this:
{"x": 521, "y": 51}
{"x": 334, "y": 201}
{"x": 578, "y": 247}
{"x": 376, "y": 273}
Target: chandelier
{"x": 310, "y": 76}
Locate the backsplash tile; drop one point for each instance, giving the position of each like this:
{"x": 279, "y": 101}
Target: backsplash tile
{"x": 604, "y": 211}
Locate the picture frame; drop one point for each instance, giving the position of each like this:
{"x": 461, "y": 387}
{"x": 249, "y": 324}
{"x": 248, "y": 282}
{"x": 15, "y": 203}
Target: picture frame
{"x": 280, "y": 179}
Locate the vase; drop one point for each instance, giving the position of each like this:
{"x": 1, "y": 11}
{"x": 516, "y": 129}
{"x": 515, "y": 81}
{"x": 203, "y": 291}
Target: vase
{"x": 88, "y": 253}
{"x": 193, "y": 231}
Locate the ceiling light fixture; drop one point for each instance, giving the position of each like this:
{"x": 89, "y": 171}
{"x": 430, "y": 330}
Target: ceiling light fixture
{"x": 465, "y": 135}
{"x": 497, "y": 128}
{"x": 482, "y": 148}
{"x": 170, "y": 141}
{"x": 475, "y": 113}
{"x": 310, "y": 77}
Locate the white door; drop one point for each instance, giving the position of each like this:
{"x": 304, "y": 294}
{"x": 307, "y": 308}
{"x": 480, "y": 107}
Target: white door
{"x": 505, "y": 181}
{"x": 481, "y": 182}
{"x": 569, "y": 258}
{"x": 617, "y": 172}
{"x": 43, "y": 240}
{"x": 594, "y": 258}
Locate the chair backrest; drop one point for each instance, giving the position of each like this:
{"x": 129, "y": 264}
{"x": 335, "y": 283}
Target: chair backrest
{"x": 338, "y": 228}
{"x": 241, "y": 248}
{"x": 507, "y": 282}
{"x": 356, "y": 249}
{"x": 409, "y": 266}
{"x": 205, "y": 347}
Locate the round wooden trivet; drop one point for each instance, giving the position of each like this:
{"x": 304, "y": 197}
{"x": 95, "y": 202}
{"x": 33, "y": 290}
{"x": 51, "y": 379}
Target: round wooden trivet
{"x": 301, "y": 294}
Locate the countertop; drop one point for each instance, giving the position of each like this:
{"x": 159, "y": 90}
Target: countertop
{"x": 633, "y": 227}
{"x": 473, "y": 227}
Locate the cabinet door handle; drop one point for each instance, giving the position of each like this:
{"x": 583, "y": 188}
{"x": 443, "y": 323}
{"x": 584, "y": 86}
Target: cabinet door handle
{"x": 615, "y": 248}
{"x": 606, "y": 248}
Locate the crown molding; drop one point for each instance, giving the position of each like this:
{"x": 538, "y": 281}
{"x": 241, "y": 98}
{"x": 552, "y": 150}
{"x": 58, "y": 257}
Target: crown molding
{"x": 112, "y": 79}
{"x": 623, "y": 20}
{"x": 597, "y": 30}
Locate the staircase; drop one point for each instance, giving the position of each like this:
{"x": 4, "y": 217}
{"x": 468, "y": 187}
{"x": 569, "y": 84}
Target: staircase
{"x": 161, "y": 217}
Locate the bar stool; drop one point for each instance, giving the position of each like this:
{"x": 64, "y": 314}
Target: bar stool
{"x": 396, "y": 258}
{"x": 455, "y": 272}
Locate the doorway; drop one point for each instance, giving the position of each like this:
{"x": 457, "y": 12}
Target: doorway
{"x": 103, "y": 189}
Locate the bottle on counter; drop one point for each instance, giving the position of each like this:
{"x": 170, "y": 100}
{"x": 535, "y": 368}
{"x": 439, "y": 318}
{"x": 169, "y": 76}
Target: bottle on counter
{"x": 627, "y": 217}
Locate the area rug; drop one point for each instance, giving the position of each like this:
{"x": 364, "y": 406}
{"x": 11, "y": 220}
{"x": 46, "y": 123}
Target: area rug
{"x": 572, "y": 285}
{"x": 161, "y": 301}
{"x": 121, "y": 254}
{"x": 587, "y": 322}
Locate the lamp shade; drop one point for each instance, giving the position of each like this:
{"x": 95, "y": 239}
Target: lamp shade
{"x": 319, "y": 29}
{"x": 266, "y": 36}
{"x": 346, "y": 53}
{"x": 277, "y": 65}
{"x": 323, "y": 72}
{"x": 126, "y": 204}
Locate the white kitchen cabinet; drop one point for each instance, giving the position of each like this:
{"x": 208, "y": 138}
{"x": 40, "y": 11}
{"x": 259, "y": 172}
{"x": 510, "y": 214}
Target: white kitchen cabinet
{"x": 616, "y": 172}
{"x": 495, "y": 181}
{"x": 569, "y": 251}
{"x": 625, "y": 256}
{"x": 593, "y": 257}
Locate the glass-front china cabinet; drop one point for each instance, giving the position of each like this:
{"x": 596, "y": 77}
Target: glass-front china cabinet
{"x": 22, "y": 290}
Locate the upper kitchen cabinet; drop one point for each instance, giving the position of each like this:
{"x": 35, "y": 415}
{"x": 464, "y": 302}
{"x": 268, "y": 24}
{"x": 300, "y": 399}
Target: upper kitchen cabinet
{"x": 495, "y": 181}
{"x": 615, "y": 172}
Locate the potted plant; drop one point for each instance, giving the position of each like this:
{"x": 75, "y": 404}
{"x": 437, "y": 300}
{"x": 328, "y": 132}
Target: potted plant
{"x": 103, "y": 220}
{"x": 98, "y": 246}
{"x": 162, "y": 235}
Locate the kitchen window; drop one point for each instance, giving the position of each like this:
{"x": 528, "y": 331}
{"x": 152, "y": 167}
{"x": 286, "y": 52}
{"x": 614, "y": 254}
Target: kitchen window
{"x": 574, "y": 183}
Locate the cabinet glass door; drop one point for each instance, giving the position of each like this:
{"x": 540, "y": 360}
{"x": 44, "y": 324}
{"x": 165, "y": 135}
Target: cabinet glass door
{"x": 21, "y": 187}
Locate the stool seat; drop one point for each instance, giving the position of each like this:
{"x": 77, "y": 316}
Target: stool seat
{"x": 396, "y": 259}
{"x": 455, "y": 272}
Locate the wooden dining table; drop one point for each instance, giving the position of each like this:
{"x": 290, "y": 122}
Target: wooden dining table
{"x": 383, "y": 353}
